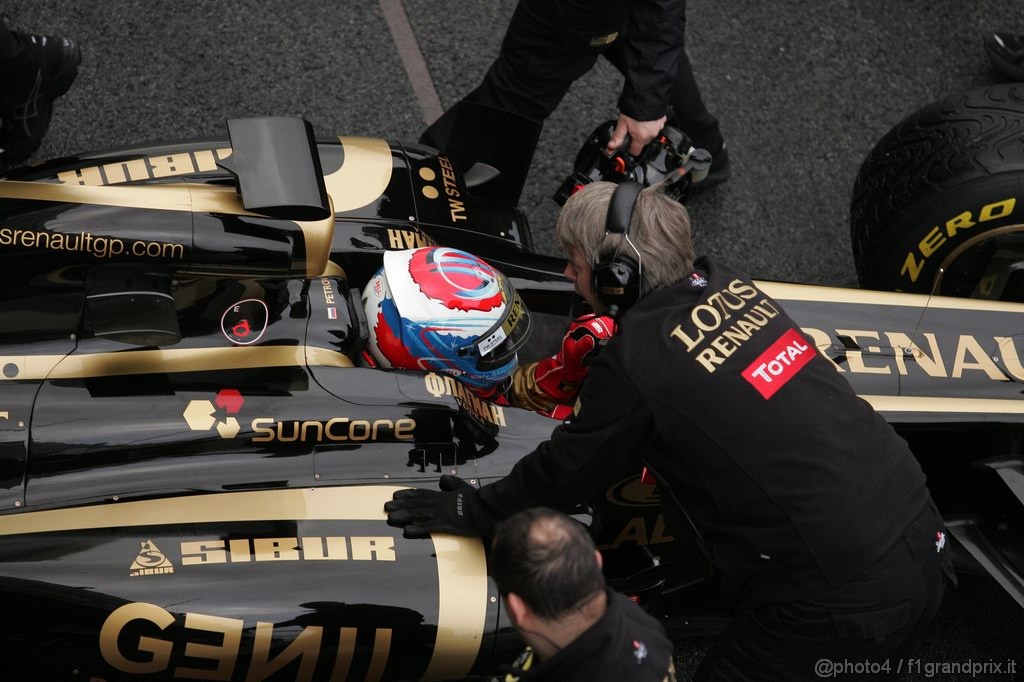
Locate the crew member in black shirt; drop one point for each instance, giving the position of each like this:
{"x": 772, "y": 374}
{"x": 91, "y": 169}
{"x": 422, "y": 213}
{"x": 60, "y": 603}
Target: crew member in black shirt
{"x": 550, "y": 44}
{"x": 549, "y": 574}
{"x": 820, "y": 528}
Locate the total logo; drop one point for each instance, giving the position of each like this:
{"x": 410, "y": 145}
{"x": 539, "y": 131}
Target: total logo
{"x": 203, "y": 415}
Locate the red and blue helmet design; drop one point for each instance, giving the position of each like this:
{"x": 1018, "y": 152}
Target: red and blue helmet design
{"x": 444, "y": 310}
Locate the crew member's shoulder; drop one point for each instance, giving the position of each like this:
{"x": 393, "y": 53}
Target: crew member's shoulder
{"x": 644, "y": 649}
{"x": 717, "y": 272}
{"x": 621, "y": 607}
{"x": 688, "y": 291}
{"x": 626, "y": 643}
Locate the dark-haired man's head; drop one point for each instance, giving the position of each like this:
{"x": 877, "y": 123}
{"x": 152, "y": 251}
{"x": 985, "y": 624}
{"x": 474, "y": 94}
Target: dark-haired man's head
{"x": 549, "y": 572}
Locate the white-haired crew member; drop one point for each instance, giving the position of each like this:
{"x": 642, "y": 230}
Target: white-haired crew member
{"x": 821, "y": 531}
{"x": 549, "y": 574}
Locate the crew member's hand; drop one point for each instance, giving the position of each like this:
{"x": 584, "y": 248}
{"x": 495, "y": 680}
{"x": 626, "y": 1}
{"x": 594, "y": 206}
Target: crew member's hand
{"x": 422, "y": 512}
{"x": 640, "y": 133}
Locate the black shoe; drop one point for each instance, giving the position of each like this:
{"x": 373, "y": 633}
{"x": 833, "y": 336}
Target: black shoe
{"x": 45, "y": 69}
{"x": 1006, "y": 52}
{"x": 717, "y": 174}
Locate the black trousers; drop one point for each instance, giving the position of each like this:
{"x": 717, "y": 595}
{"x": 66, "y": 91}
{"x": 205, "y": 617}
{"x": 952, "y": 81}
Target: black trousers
{"x": 14, "y": 71}
{"x": 864, "y": 629}
{"x": 541, "y": 57}
{"x": 9, "y": 47}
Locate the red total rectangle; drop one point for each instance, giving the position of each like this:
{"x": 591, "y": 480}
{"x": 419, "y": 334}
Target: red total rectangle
{"x": 780, "y": 363}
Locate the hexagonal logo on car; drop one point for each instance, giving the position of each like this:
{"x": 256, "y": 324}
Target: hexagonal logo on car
{"x": 203, "y": 415}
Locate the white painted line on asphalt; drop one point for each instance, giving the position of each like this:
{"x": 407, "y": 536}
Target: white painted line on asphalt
{"x": 412, "y": 60}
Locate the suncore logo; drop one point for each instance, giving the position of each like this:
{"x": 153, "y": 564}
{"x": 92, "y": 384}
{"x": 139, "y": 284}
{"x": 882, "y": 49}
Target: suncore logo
{"x": 202, "y": 415}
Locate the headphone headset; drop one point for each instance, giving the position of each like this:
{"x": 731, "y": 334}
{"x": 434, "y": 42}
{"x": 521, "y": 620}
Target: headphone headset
{"x": 617, "y": 278}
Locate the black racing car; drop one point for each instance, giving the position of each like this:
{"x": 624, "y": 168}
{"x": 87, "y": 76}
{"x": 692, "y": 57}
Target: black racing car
{"x": 193, "y": 461}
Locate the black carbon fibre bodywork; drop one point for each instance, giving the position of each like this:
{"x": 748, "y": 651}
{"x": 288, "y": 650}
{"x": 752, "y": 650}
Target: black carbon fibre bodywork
{"x": 193, "y": 468}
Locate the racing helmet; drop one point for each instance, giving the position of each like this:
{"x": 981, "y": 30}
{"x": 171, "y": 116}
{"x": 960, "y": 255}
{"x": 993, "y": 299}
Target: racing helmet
{"x": 445, "y": 310}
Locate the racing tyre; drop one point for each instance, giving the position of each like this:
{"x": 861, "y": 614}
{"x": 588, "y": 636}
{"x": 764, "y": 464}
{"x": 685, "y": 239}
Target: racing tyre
{"x": 938, "y": 204}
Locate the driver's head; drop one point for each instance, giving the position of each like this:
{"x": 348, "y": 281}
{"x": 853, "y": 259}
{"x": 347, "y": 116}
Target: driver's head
{"x": 659, "y": 231}
{"x": 444, "y": 310}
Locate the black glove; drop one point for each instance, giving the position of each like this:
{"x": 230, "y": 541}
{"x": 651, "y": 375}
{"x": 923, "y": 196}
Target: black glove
{"x": 422, "y": 512}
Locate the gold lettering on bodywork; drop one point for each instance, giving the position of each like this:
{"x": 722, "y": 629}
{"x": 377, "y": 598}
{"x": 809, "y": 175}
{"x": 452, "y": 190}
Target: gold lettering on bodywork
{"x": 172, "y": 164}
{"x": 240, "y": 550}
{"x": 856, "y": 357}
{"x": 635, "y": 531}
{"x": 1011, "y": 359}
{"x": 128, "y": 652}
{"x": 276, "y": 549}
{"x": 81, "y": 176}
{"x": 381, "y": 651}
{"x": 312, "y": 548}
{"x": 968, "y": 345}
{"x": 336, "y": 429}
{"x": 305, "y": 647}
{"x": 203, "y": 552}
{"x": 224, "y": 654}
{"x": 822, "y": 341}
{"x": 408, "y": 239}
{"x": 435, "y": 385}
{"x": 659, "y": 534}
{"x": 205, "y": 161}
{"x": 156, "y": 652}
{"x": 125, "y": 171}
{"x": 319, "y": 549}
{"x": 439, "y": 386}
{"x": 456, "y": 207}
{"x": 395, "y": 239}
{"x": 930, "y": 362}
{"x": 146, "y": 168}
{"x": 457, "y": 210}
{"x": 346, "y": 651}
{"x": 369, "y": 548}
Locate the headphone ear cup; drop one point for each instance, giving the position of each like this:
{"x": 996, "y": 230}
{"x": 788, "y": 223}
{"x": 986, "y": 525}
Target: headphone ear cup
{"x": 616, "y": 282}
{"x": 615, "y": 278}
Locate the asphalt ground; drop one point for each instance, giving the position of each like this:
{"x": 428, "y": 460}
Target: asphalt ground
{"x": 803, "y": 90}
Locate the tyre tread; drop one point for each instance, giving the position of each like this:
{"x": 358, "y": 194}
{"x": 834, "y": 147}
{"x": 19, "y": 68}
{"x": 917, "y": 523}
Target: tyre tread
{"x": 956, "y": 140}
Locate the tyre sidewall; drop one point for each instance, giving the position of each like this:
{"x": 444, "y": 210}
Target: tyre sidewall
{"x": 912, "y": 251}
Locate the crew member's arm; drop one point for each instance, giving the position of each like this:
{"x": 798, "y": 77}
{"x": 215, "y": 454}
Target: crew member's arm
{"x": 613, "y": 425}
{"x": 651, "y": 51}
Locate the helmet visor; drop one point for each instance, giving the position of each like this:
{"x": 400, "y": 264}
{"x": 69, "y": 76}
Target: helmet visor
{"x": 502, "y": 341}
